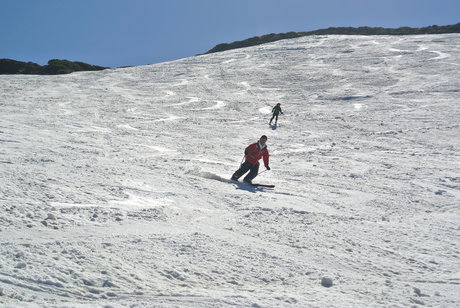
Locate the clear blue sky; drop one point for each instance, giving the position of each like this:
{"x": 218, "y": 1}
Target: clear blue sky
{"x": 117, "y": 33}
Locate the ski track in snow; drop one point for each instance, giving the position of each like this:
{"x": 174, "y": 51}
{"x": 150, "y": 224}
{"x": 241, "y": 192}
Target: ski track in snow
{"x": 115, "y": 184}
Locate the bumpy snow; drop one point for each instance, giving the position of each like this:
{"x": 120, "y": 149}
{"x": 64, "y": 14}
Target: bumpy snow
{"x": 114, "y": 191}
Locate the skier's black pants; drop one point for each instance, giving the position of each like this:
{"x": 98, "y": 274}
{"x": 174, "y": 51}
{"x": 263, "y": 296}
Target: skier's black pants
{"x": 253, "y": 171}
{"x": 274, "y": 115}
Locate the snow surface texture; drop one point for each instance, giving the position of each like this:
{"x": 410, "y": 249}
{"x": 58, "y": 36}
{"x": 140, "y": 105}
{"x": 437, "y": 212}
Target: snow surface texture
{"x": 114, "y": 184}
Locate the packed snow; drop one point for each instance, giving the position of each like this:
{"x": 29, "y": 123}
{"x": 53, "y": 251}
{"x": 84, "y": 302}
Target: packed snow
{"x": 115, "y": 192}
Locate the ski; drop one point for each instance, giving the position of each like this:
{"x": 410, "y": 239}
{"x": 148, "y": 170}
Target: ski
{"x": 262, "y": 185}
{"x": 253, "y": 184}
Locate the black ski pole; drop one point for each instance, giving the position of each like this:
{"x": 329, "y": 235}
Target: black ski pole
{"x": 262, "y": 171}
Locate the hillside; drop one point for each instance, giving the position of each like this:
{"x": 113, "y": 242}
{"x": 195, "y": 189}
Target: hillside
{"x": 114, "y": 191}
{"x": 263, "y": 39}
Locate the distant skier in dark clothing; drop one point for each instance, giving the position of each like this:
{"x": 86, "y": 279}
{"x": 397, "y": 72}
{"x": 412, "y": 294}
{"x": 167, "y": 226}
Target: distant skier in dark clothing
{"x": 276, "y": 111}
{"x": 252, "y": 154}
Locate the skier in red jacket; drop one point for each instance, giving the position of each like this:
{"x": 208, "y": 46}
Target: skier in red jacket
{"x": 252, "y": 154}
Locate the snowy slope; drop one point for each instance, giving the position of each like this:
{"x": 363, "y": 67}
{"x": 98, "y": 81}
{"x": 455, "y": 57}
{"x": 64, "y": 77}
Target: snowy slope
{"x": 113, "y": 184}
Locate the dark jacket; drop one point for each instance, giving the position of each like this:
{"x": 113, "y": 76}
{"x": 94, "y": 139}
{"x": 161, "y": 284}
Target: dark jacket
{"x": 277, "y": 110}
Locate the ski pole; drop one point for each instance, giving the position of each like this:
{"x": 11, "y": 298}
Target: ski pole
{"x": 242, "y": 160}
{"x": 262, "y": 171}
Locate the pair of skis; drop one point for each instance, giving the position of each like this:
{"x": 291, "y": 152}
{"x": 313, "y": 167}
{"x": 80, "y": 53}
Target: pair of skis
{"x": 262, "y": 185}
{"x": 255, "y": 184}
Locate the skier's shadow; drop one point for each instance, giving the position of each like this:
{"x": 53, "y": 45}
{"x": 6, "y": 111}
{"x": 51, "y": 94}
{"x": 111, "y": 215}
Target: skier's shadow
{"x": 248, "y": 187}
{"x": 273, "y": 126}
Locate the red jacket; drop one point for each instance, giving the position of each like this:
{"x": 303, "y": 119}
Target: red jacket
{"x": 253, "y": 153}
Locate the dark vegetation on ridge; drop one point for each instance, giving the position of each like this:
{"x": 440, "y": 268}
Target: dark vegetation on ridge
{"x": 54, "y": 67}
{"x": 257, "y": 40}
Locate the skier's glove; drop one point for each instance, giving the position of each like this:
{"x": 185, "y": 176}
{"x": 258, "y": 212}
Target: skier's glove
{"x": 268, "y": 167}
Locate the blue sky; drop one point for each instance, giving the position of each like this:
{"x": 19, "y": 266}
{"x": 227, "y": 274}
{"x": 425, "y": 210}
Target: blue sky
{"x": 118, "y": 33}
